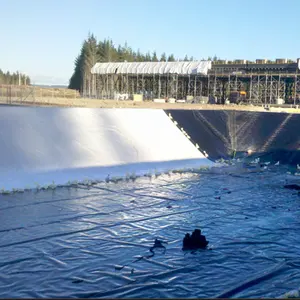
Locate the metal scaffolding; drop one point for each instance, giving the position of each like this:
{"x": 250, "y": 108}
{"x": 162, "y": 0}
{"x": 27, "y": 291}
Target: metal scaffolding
{"x": 152, "y": 86}
{"x": 182, "y": 80}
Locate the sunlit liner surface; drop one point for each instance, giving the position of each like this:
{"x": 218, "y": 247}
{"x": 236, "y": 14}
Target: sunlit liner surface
{"x": 43, "y": 146}
{"x": 69, "y": 242}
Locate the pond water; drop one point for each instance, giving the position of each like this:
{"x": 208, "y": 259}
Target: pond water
{"x": 94, "y": 241}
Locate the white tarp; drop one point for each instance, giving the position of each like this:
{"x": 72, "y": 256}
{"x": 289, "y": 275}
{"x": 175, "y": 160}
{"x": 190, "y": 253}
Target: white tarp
{"x": 178, "y": 67}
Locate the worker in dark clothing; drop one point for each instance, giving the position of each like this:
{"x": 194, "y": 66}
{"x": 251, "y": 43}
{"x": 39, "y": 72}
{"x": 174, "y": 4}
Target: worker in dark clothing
{"x": 195, "y": 241}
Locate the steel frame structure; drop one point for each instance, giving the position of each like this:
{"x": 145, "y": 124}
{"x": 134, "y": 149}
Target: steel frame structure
{"x": 260, "y": 88}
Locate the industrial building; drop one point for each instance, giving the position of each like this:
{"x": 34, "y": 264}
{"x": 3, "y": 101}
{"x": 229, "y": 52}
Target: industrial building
{"x": 239, "y": 81}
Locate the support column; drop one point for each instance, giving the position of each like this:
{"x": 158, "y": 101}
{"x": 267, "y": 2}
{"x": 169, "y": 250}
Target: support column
{"x": 176, "y": 87}
{"x": 159, "y": 86}
{"x": 295, "y": 89}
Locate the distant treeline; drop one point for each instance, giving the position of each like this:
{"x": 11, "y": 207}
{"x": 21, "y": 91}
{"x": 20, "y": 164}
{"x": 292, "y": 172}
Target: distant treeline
{"x": 93, "y": 51}
{"x": 13, "y": 78}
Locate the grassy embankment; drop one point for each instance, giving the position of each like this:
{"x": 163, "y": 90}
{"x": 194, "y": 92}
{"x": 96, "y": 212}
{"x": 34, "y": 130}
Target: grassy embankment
{"x": 28, "y": 94}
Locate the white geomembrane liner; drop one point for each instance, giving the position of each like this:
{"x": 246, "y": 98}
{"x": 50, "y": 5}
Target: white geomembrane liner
{"x": 42, "y": 146}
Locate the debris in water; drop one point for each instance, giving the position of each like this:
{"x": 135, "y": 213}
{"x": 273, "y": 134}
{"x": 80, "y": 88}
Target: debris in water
{"x": 157, "y": 244}
{"x": 292, "y": 187}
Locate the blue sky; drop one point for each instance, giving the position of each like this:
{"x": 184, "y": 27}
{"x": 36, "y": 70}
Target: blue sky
{"x": 42, "y": 38}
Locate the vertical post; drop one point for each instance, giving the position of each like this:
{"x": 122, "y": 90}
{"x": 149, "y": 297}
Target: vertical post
{"x": 278, "y": 87}
{"x": 271, "y": 89}
{"x": 176, "y": 87}
{"x": 9, "y": 93}
{"x": 133, "y": 81}
{"x": 143, "y": 85}
{"x": 236, "y": 83}
{"x": 259, "y": 89}
{"x": 122, "y": 83}
{"x": 153, "y": 86}
{"x": 159, "y": 86}
{"x": 102, "y": 86}
{"x": 295, "y": 89}
{"x": 266, "y": 89}
{"x": 112, "y": 88}
{"x": 215, "y": 86}
{"x": 201, "y": 87}
{"x": 166, "y": 87}
{"x": 229, "y": 85}
{"x": 250, "y": 89}
{"x": 208, "y": 85}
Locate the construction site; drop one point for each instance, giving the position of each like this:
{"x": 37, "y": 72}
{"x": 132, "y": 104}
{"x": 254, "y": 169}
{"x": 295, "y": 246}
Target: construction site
{"x": 222, "y": 82}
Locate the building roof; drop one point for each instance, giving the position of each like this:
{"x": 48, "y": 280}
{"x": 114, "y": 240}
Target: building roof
{"x": 178, "y": 67}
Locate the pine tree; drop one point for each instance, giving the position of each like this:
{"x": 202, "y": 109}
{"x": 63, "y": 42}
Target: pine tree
{"x": 120, "y": 54}
{"x": 102, "y": 51}
{"x": 89, "y": 55}
{"x": 148, "y": 57}
{"x": 163, "y": 57}
{"x": 171, "y": 57}
{"x": 154, "y": 56}
{"x": 127, "y": 53}
{"x": 77, "y": 78}
{"x": 106, "y": 51}
{"x": 139, "y": 56}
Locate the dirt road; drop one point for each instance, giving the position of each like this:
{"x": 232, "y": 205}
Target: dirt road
{"x": 95, "y": 103}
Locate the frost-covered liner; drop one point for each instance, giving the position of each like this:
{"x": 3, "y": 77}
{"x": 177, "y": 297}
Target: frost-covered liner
{"x": 56, "y": 146}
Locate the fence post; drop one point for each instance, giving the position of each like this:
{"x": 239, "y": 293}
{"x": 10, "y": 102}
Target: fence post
{"x": 10, "y": 94}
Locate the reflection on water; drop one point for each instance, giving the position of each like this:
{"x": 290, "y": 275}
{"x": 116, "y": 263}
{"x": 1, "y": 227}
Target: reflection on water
{"x": 70, "y": 242}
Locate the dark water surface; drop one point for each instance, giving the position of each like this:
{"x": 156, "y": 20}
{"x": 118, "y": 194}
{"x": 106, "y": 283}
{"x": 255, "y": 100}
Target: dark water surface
{"x": 72, "y": 242}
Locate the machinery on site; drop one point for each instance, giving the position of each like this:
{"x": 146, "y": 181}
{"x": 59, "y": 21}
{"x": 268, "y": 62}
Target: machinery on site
{"x": 237, "y": 97}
